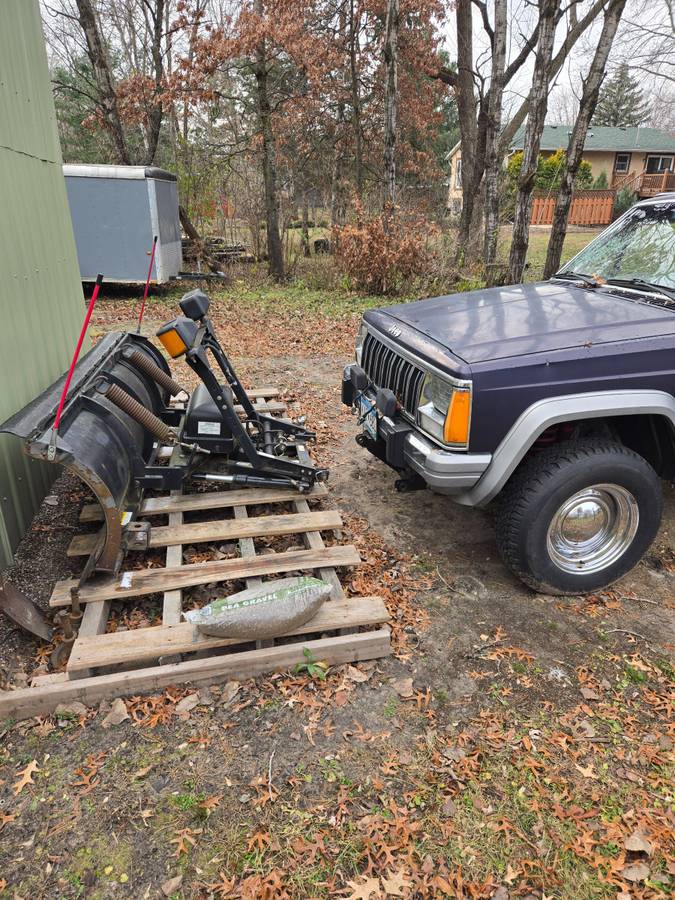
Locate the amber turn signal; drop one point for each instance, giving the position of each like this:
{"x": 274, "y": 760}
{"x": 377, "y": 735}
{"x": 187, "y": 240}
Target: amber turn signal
{"x": 173, "y": 344}
{"x": 456, "y": 429}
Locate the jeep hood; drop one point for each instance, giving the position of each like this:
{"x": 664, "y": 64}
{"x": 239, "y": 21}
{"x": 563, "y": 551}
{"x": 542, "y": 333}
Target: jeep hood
{"x": 517, "y": 320}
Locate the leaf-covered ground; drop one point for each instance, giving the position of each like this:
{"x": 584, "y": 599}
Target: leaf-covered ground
{"x": 516, "y": 745}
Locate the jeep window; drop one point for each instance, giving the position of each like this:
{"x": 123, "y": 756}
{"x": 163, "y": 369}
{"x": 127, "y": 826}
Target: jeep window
{"x": 637, "y": 248}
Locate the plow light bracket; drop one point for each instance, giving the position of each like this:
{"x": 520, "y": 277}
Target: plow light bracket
{"x": 178, "y": 336}
{"x": 195, "y": 305}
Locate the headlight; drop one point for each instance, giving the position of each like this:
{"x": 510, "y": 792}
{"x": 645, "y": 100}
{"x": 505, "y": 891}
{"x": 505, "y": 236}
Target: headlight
{"x": 445, "y": 410}
{"x": 360, "y": 338}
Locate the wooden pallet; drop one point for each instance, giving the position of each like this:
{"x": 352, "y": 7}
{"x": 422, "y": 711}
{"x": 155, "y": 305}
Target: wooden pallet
{"x": 104, "y": 665}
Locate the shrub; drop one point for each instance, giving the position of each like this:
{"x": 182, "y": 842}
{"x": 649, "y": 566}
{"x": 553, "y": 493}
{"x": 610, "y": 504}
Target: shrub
{"x": 601, "y": 183}
{"x": 548, "y": 177}
{"x": 624, "y": 199}
{"x": 379, "y": 254}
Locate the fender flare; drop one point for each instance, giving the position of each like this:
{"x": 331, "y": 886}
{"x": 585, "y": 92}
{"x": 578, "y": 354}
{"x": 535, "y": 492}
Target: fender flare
{"x": 544, "y": 413}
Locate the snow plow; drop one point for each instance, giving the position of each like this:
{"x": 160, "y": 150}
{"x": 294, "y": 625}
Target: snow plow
{"x": 112, "y": 422}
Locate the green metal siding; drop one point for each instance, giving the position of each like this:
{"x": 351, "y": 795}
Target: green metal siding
{"x": 41, "y": 303}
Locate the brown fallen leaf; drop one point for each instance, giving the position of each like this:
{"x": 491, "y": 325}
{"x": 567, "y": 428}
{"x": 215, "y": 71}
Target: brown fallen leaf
{"x": 357, "y": 675}
{"x": 589, "y": 694}
{"x": 638, "y": 843}
{"x": 365, "y": 889}
{"x": 6, "y": 818}
{"x": 210, "y": 803}
{"x": 184, "y": 840}
{"x": 396, "y": 883}
{"x": 26, "y": 777}
{"x": 635, "y": 872}
{"x": 142, "y": 772}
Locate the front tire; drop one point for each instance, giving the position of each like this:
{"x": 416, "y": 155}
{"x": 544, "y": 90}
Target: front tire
{"x": 577, "y": 516}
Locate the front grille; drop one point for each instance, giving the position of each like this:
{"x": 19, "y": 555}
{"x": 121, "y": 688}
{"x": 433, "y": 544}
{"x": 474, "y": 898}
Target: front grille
{"x": 387, "y": 369}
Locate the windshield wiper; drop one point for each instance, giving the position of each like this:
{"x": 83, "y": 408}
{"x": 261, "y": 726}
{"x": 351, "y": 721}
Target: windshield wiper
{"x": 641, "y": 282}
{"x": 587, "y": 280}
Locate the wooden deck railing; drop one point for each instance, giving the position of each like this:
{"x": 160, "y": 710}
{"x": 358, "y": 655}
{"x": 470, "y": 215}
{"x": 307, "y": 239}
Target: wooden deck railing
{"x": 645, "y": 184}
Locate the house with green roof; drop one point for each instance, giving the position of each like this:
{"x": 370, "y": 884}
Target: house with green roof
{"x": 641, "y": 158}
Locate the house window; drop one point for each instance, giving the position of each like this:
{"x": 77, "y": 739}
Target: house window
{"x": 458, "y": 173}
{"x": 657, "y": 164}
{"x": 621, "y": 163}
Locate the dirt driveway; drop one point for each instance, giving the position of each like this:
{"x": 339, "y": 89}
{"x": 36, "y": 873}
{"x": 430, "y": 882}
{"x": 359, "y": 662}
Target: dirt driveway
{"x": 516, "y": 745}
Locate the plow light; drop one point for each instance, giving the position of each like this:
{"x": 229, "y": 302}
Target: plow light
{"x": 177, "y": 336}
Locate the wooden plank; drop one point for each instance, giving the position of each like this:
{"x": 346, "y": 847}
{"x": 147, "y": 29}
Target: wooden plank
{"x": 155, "y": 506}
{"x": 27, "y": 702}
{"x": 172, "y": 604}
{"x": 313, "y": 540}
{"x": 94, "y": 622}
{"x": 274, "y": 406}
{"x": 262, "y": 393}
{"x": 224, "y": 529}
{"x": 140, "y": 582}
{"x": 142, "y": 644}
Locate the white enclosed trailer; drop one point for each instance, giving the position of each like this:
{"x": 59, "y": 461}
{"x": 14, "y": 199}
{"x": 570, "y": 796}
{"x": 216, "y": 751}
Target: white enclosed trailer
{"x": 116, "y": 212}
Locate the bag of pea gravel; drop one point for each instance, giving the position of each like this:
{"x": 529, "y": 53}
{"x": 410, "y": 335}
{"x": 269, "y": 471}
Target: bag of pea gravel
{"x": 273, "y": 609}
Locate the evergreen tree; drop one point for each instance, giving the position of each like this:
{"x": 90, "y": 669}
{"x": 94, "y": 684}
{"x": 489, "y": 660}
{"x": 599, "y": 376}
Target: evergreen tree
{"x": 621, "y": 101}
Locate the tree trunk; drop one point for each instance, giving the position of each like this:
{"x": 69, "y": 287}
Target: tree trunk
{"x": 104, "y": 82}
{"x": 337, "y": 201}
{"x": 155, "y": 115}
{"x": 305, "y": 222}
{"x": 532, "y": 140}
{"x": 587, "y": 104}
{"x": 356, "y": 98}
{"x": 473, "y": 163}
{"x": 269, "y": 160}
{"x": 390, "y": 101}
{"x": 492, "y": 159}
{"x": 466, "y": 107}
{"x": 191, "y": 232}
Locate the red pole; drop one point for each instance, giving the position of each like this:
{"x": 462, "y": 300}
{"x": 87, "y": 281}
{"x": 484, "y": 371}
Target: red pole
{"x": 147, "y": 284}
{"x": 64, "y": 393}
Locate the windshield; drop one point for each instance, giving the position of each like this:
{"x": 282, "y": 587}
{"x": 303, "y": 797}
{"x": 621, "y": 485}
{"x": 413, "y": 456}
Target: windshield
{"x": 641, "y": 245}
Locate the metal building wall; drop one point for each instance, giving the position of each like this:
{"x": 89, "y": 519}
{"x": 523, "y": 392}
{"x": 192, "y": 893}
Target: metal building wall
{"x": 41, "y": 304}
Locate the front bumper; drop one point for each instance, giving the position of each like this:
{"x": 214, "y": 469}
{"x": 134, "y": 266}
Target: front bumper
{"x": 444, "y": 471}
{"x": 403, "y": 447}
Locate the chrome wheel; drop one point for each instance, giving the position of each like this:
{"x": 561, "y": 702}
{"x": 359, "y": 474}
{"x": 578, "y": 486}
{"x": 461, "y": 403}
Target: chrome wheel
{"x": 593, "y": 528}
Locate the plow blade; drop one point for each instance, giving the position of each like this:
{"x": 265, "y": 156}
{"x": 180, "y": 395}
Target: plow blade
{"x": 97, "y": 440}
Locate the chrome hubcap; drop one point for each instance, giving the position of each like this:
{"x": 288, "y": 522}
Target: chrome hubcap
{"x": 593, "y": 528}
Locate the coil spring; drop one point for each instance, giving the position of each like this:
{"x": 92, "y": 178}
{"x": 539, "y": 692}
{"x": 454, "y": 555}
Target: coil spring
{"x": 141, "y": 361}
{"x": 139, "y": 413}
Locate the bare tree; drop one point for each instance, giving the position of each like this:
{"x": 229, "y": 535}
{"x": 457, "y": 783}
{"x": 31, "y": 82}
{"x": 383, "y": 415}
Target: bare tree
{"x": 532, "y": 141}
{"x": 354, "y": 29}
{"x": 390, "y": 99}
{"x": 494, "y": 127}
{"x": 269, "y": 156}
{"x": 473, "y": 97}
{"x": 589, "y": 99}
{"x": 100, "y": 63}
{"x": 472, "y": 128}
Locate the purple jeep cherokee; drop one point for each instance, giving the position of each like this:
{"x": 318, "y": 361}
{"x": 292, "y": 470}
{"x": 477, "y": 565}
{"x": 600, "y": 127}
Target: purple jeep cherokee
{"x": 555, "y": 399}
